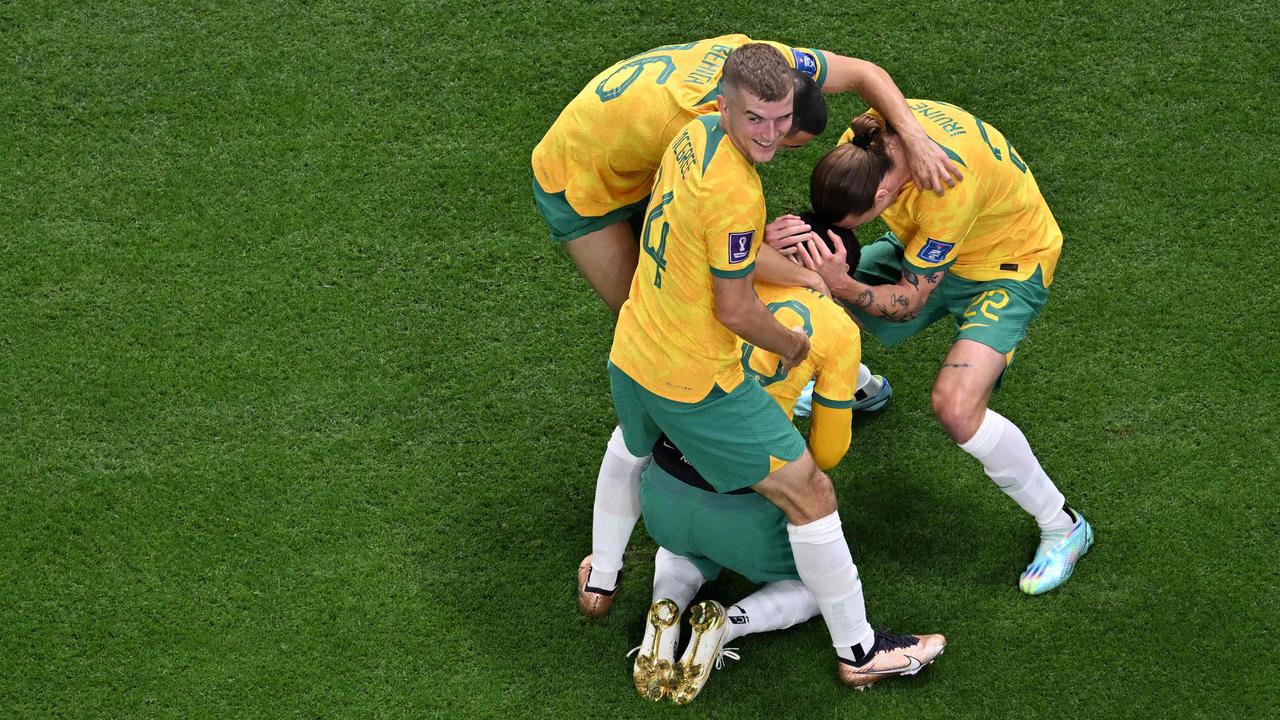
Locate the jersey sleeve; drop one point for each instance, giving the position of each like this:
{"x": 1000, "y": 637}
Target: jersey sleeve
{"x": 830, "y": 433}
{"x": 941, "y": 226}
{"x": 810, "y": 61}
{"x": 830, "y": 428}
{"x": 733, "y": 214}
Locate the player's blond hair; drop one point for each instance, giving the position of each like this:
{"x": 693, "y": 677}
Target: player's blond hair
{"x": 845, "y": 180}
{"x": 759, "y": 69}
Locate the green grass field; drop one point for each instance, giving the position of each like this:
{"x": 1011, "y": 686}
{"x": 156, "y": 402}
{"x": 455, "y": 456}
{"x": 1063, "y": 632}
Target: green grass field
{"x": 301, "y": 409}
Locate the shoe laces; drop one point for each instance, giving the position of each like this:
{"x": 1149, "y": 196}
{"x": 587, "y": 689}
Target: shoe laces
{"x": 729, "y": 653}
{"x": 634, "y": 650}
{"x": 886, "y": 640}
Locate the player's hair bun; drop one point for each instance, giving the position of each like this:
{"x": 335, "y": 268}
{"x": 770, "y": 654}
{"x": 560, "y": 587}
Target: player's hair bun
{"x": 867, "y": 131}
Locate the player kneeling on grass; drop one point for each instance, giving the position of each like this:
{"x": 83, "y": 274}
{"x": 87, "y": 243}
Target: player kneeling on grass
{"x": 983, "y": 254}
{"x": 702, "y": 530}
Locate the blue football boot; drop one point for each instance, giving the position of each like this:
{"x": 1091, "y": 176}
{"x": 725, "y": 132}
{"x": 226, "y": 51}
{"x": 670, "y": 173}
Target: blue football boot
{"x": 1054, "y": 561}
{"x": 867, "y": 403}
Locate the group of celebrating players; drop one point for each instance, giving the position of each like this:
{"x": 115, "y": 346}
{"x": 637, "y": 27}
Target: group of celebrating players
{"x": 727, "y": 326}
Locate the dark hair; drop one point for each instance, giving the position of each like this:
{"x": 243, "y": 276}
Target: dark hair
{"x": 810, "y": 106}
{"x": 758, "y": 69}
{"x": 845, "y": 180}
{"x": 847, "y": 236}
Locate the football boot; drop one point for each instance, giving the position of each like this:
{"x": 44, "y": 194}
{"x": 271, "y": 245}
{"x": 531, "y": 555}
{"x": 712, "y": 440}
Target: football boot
{"x": 705, "y": 651}
{"x": 653, "y": 671}
{"x": 890, "y": 656}
{"x": 592, "y": 601}
{"x": 1056, "y": 558}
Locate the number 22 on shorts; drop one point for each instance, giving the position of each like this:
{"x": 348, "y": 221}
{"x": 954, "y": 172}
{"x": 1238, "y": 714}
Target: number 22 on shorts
{"x": 985, "y": 303}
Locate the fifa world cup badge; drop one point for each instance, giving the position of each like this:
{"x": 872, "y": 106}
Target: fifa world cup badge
{"x": 740, "y": 246}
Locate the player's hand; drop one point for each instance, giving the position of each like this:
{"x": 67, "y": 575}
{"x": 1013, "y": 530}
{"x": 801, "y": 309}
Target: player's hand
{"x": 930, "y": 167}
{"x": 784, "y": 233}
{"x": 801, "y": 351}
{"x": 831, "y": 266}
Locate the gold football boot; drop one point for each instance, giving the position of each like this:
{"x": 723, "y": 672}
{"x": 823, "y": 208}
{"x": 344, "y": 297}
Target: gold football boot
{"x": 705, "y": 650}
{"x": 653, "y": 672}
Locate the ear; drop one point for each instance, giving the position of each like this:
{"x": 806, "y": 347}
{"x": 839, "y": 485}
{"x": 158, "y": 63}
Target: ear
{"x": 720, "y": 104}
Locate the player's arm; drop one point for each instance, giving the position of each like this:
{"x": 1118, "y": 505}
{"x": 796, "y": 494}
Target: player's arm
{"x": 930, "y": 167}
{"x": 740, "y": 309}
{"x": 775, "y": 268}
{"x": 898, "y": 302}
{"x": 830, "y": 433}
{"x": 831, "y": 424}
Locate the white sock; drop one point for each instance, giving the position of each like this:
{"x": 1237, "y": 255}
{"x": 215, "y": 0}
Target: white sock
{"x": 776, "y": 606}
{"x": 1007, "y": 458}
{"x": 675, "y": 578}
{"x": 827, "y": 569}
{"x": 868, "y": 384}
{"x": 616, "y": 510}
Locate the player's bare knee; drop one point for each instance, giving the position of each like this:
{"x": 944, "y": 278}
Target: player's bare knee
{"x": 823, "y": 494}
{"x": 960, "y": 416}
{"x": 814, "y": 498}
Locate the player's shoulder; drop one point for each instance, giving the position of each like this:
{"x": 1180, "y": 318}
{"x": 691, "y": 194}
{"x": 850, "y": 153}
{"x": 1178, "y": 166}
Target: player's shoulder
{"x": 704, "y": 144}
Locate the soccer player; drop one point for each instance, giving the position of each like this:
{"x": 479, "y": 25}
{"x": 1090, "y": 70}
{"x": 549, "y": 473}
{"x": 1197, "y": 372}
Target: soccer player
{"x": 983, "y": 254}
{"x": 594, "y": 170}
{"x": 701, "y": 531}
{"x": 675, "y": 368}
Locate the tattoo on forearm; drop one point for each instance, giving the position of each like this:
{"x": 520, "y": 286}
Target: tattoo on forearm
{"x": 933, "y": 278}
{"x": 864, "y": 299}
{"x": 956, "y": 365}
{"x": 912, "y": 279}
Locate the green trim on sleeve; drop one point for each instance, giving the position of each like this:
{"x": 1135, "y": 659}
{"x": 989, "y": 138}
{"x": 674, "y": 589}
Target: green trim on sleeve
{"x": 907, "y": 265}
{"x": 833, "y": 404}
{"x": 733, "y": 274}
{"x": 822, "y": 66}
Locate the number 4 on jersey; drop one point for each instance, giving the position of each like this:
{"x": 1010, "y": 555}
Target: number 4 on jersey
{"x": 657, "y": 251}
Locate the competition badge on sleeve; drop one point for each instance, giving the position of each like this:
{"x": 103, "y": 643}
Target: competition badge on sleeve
{"x": 934, "y": 250}
{"x": 740, "y": 246}
{"x": 805, "y": 63}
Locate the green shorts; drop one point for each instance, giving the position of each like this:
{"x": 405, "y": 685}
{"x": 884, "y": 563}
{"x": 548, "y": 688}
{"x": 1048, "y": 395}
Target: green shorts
{"x": 745, "y": 533}
{"x": 995, "y": 313}
{"x": 734, "y": 439}
{"x": 566, "y": 224}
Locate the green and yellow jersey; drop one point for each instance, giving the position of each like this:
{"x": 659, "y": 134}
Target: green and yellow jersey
{"x": 835, "y": 350}
{"x": 993, "y": 225}
{"x": 706, "y": 217}
{"x": 604, "y": 148}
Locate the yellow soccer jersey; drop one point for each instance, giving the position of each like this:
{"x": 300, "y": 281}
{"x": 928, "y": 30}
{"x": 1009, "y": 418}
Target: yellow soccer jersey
{"x": 706, "y": 217}
{"x": 604, "y": 148}
{"x": 994, "y": 224}
{"x": 835, "y": 350}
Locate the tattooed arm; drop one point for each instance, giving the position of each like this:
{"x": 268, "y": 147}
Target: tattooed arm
{"x": 899, "y": 302}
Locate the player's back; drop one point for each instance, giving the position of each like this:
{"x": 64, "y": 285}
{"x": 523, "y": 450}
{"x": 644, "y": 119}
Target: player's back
{"x": 706, "y": 217}
{"x": 834, "y": 346}
{"x": 1000, "y": 220}
{"x": 605, "y": 146}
